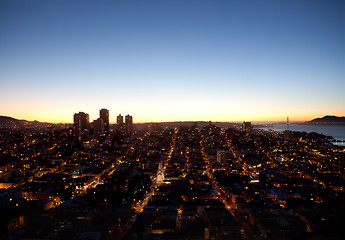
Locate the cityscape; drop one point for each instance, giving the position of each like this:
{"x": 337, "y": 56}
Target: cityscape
{"x": 172, "y": 119}
{"x": 177, "y": 180}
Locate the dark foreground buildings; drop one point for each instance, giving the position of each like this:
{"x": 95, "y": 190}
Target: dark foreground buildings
{"x": 168, "y": 181}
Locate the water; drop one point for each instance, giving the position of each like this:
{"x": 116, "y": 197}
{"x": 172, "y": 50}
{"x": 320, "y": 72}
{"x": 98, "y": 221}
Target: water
{"x": 337, "y": 132}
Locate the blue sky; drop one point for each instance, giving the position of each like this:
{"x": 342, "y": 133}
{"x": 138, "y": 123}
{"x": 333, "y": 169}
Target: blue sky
{"x": 172, "y": 60}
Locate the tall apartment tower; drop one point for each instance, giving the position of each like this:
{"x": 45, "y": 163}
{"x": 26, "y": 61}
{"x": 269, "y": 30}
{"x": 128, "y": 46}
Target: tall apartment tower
{"x": 81, "y": 126}
{"x": 119, "y": 122}
{"x": 98, "y": 127}
{"x": 104, "y": 115}
{"x": 129, "y": 123}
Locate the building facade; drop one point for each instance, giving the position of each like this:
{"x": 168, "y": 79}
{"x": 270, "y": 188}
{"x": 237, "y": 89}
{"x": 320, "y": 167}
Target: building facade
{"x": 104, "y": 115}
{"x": 81, "y": 126}
{"x": 129, "y": 124}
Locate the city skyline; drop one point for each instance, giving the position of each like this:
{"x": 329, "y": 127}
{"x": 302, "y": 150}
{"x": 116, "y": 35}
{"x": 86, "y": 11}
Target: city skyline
{"x": 172, "y": 60}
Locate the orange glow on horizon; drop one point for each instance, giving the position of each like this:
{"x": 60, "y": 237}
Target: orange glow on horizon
{"x": 143, "y": 119}
{"x": 170, "y": 112}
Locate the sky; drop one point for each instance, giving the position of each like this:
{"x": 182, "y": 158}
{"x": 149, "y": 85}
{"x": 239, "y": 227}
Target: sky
{"x": 172, "y": 60}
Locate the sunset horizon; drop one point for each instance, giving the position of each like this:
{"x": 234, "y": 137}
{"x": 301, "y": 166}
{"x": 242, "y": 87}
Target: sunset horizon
{"x": 112, "y": 119}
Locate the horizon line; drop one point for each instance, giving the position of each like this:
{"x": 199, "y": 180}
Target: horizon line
{"x": 171, "y": 121}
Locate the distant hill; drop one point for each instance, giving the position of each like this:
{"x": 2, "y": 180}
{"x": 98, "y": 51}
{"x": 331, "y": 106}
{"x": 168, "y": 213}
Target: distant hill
{"x": 329, "y": 120}
{"x": 10, "y": 122}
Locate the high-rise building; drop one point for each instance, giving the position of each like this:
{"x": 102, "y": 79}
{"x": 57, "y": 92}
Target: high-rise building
{"x": 129, "y": 119}
{"x": 246, "y": 127}
{"x": 119, "y": 123}
{"x": 129, "y": 123}
{"x": 119, "y": 120}
{"x": 98, "y": 127}
{"x": 81, "y": 126}
{"x": 104, "y": 115}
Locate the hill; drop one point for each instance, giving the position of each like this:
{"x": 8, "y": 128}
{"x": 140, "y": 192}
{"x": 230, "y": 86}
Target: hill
{"x": 10, "y": 122}
{"x": 329, "y": 120}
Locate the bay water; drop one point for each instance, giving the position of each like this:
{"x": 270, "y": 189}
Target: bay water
{"x": 335, "y": 131}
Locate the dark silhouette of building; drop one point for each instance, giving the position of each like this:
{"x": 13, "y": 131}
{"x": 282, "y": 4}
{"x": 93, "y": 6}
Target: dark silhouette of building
{"x": 98, "y": 127}
{"x": 247, "y": 127}
{"x": 81, "y": 126}
{"x": 104, "y": 115}
{"x": 129, "y": 124}
{"x": 119, "y": 119}
{"x": 119, "y": 122}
